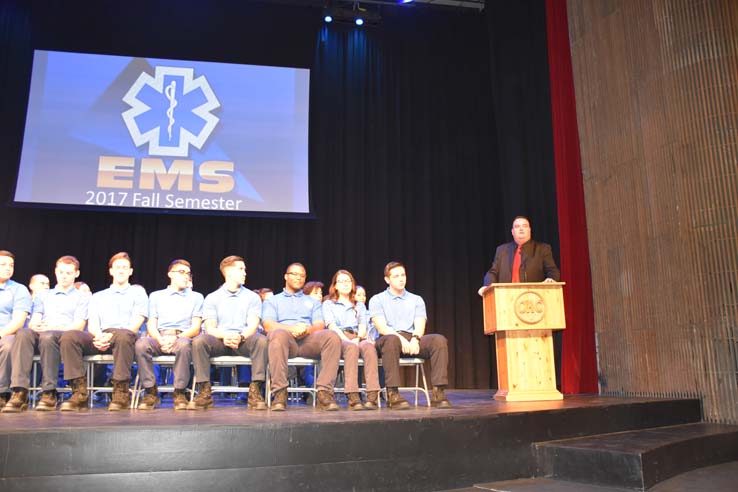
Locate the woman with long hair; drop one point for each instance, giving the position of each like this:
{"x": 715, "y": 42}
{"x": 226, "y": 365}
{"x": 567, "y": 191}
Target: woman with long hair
{"x": 347, "y": 317}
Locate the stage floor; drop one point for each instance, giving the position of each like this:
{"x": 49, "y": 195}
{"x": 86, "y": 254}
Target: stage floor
{"x": 466, "y": 404}
{"x": 477, "y": 441}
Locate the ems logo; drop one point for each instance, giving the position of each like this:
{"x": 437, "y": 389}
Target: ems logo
{"x": 170, "y": 111}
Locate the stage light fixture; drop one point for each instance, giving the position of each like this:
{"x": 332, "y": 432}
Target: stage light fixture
{"x": 351, "y": 12}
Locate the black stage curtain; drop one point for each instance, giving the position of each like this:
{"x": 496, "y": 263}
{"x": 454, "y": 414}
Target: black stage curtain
{"x": 423, "y": 145}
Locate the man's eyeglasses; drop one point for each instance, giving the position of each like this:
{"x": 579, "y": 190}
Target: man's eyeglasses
{"x": 296, "y": 274}
{"x": 184, "y": 272}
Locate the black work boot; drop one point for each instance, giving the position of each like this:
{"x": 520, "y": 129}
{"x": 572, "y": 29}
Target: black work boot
{"x": 151, "y": 399}
{"x": 48, "y": 401}
{"x": 256, "y": 400}
{"x": 121, "y": 396}
{"x": 18, "y": 401}
{"x": 372, "y": 400}
{"x": 180, "y": 399}
{"x": 279, "y": 402}
{"x": 439, "y": 400}
{"x": 395, "y": 401}
{"x": 204, "y": 398}
{"x": 326, "y": 401}
{"x": 354, "y": 402}
{"x": 78, "y": 400}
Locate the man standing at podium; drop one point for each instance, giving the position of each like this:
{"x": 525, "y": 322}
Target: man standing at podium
{"x": 522, "y": 260}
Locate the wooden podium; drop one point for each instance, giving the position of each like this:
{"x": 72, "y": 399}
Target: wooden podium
{"x": 522, "y": 316}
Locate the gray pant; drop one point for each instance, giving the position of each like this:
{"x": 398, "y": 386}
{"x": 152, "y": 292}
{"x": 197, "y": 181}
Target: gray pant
{"x": 433, "y": 347}
{"x": 76, "y": 344}
{"x": 206, "y": 346}
{"x": 6, "y": 345}
{"x": 146, "y": 348}
{"x": 350, "y": 353}
{"x": 26, "y": 343}
{"x": 324, "y": 344}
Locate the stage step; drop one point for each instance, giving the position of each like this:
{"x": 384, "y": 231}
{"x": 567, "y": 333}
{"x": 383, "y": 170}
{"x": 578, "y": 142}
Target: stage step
{"x": 639, "y": 459}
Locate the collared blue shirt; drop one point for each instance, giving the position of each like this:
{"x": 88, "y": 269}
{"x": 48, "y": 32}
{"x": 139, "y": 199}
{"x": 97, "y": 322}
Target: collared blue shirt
{"x": 344, "y": 314}
{"x": 61, "y": 308}
{"x": 290, "y": 309}
{"x": 400, "y": 311}
{"x": 14, "y": 297}
{"x": 175, "y": 309}
{"x": 231, "y": 309}
{"x": 115, "y": 306}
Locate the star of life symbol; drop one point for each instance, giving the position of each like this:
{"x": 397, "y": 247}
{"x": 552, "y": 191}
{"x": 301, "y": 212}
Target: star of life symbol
{"x": 168, "y": 100}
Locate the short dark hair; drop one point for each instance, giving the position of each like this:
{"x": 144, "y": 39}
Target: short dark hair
{"x": 295, "y": 264}
{"x": 119, "y": 256}
{"x": 309, "y": 287}
{"x": 178, "y": 261}
{"x": 521, "y": 217}
{"x": 69, "y": 260}
{"x": 392, "y": 264}
{"x": 229, "y": 261}
{"x": 5, "y": 252}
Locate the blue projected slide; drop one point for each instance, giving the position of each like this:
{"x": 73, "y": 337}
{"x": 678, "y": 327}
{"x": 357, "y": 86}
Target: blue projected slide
{"x": 112, "y": 131}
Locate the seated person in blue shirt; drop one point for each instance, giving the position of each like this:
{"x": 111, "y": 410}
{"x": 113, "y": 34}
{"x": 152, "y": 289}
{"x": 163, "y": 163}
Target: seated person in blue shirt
{"x": 347, "y": 317}
{"x": 15, "y": 306}
{"x": 175, "y": 315}
{"x": 295, "y": 328}
{"x": 231, "y": 316}
{"x": 56, "y": 312}
{"x": 115, "y": 316}
{"x": 37, "y": 284}
{"x": 399, "y": 317}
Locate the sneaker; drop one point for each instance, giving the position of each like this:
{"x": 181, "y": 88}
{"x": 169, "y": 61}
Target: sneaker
{"x": 18, "y": 401}
{"x": 326, "y": 401}
{"x": 48, "y": 401}
{"x": 255, "y": 400}
{"x": 279, "y": 403}
{"x": 395, "y": 401}
{"x": 354, "y": 402}
{"x": 438, "y": 399}
{"x": 204, "y": 398}
{"x": 180, "y": 399}
{"x": 150, "y": 400}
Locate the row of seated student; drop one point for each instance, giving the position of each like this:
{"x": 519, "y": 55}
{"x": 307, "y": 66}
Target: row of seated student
{"x": 66, "y": 324}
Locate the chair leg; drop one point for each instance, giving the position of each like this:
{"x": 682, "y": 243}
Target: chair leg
{"x": 425, "y": 386}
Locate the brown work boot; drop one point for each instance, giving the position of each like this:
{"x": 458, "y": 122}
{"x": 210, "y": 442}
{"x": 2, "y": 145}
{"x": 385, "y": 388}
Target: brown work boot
{"x": 121, "y": 396}
{"x": 395, "y": 401}
{"x": 150, "y": 400}
{"x": 256, "y": 401}
{"x": 204, "y": 398}
{"x": 279, "y": 402}
{"x": 4, "y": 397}
{"x": 326, "y": 401}
{"x": 372, "y": 398}
{"x": 48, "y": 401}
{"x": 439, "y": 400}
{"x": 18, "y": 401}
{"x": 78, "y": 400}
{"x": 180, "y": 399}
{"x": 354, "y": 402}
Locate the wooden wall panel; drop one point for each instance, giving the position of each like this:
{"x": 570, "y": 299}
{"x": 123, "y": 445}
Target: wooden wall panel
{"x": 657, "y": 106}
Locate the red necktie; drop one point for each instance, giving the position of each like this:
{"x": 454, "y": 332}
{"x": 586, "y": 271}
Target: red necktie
{"x": 516, "y": 265}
